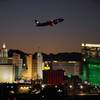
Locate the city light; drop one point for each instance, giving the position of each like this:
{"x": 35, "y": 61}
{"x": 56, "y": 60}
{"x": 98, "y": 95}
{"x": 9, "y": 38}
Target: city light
{"x": 58, "y": 76}
{"x": 70, "y": 86}
{"x": 90, "y": 45}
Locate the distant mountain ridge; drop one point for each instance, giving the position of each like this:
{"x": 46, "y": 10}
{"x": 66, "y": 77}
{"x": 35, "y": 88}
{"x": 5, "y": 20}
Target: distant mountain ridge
{"x": 21, "y": 53}
{"x": 74, "y": 56}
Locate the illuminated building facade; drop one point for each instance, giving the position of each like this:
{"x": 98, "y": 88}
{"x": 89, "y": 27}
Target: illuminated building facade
{"x": 7, "y": 73}
{"x": 3, "y": 54}
{"x": 11, "y": 66}
{"x": 69, "y": 67}
{"x": 18, "y": 63}
{"x": 90, "y": 50}
{"x": 7, "y": 70}
{"x": 34, "y": 70}
{"x": 53, "y": 77}
{"x": 39, "y": 65}
{"x": 46, "y": 66}
{"x": 91, "y": 63}
{"x": 27, "y": 73}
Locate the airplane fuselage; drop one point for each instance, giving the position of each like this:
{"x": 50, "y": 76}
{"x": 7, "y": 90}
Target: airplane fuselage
{"x": 49, "y": 23}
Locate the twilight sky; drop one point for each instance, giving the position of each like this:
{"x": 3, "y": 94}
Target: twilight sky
{"x": 81, "y": 24}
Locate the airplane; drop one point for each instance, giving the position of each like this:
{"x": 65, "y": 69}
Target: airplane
{"x": 49, "y": 23}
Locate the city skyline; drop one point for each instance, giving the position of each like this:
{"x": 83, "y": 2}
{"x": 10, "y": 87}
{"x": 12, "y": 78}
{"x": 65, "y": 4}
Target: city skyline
{"x": 18, "y": 30}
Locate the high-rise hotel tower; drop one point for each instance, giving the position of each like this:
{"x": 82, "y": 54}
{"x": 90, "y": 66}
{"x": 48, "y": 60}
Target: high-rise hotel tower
{"x": 3, "y": 54}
